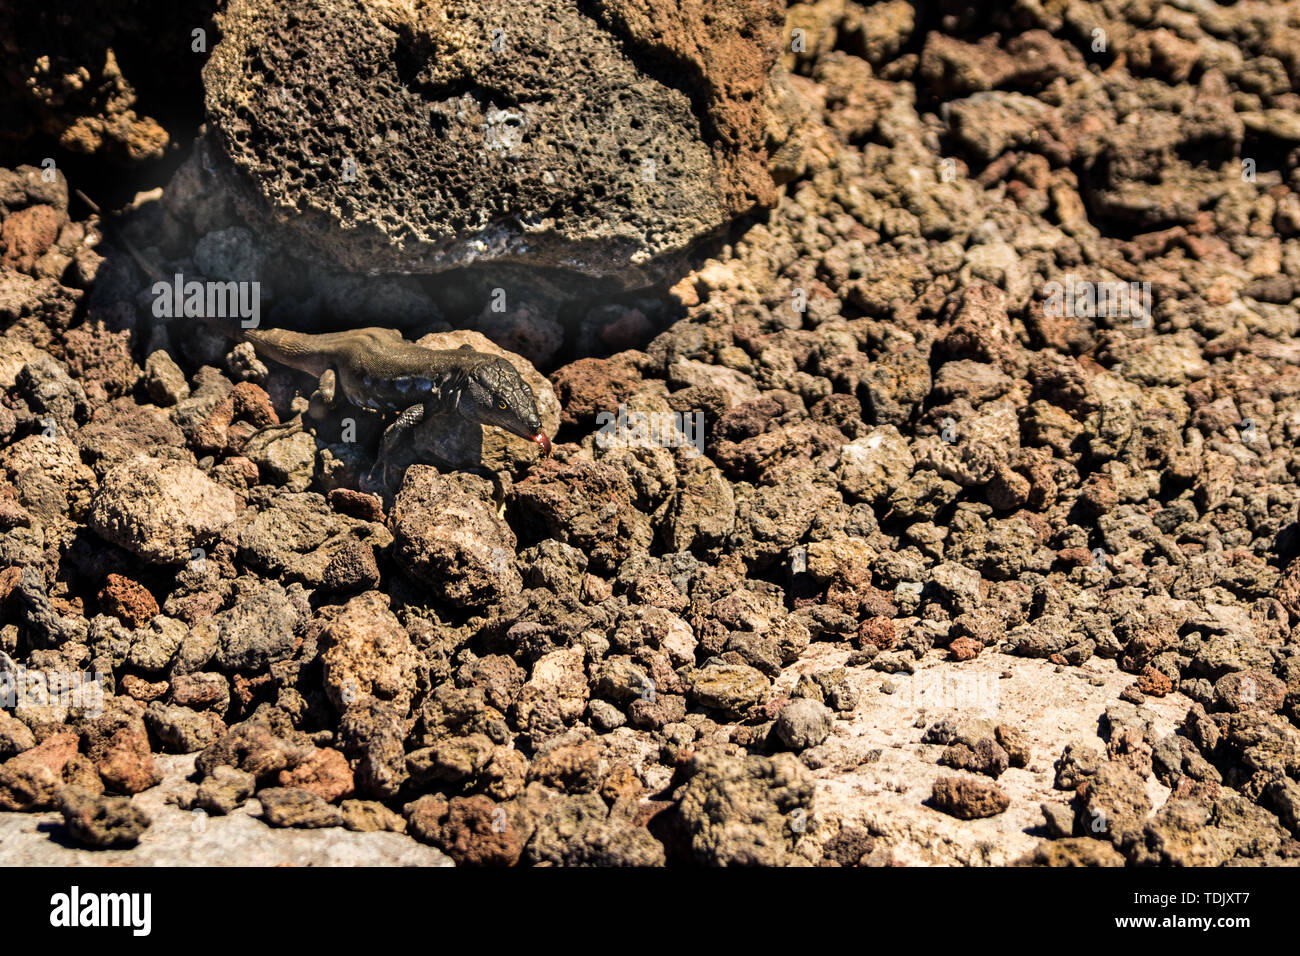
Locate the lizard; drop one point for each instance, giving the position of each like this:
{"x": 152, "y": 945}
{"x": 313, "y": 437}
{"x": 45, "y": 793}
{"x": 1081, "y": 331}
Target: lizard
{"x": 377, "y": 369}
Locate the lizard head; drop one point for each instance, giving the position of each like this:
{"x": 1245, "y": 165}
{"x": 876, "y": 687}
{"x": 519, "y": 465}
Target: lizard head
{"x": 495, "y": 394}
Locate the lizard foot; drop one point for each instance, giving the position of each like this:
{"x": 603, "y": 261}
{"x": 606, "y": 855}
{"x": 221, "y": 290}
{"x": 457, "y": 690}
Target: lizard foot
{"x": 378, "y": 480}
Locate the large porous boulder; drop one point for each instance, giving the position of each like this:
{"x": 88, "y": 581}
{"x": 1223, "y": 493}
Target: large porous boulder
{"x": 378, "y": 133}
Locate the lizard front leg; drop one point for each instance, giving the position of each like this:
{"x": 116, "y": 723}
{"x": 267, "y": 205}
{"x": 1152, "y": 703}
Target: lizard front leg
{"x": 407, "y": 420}
{"x": 326, "y": 396}
{"x": 392, "y": 434}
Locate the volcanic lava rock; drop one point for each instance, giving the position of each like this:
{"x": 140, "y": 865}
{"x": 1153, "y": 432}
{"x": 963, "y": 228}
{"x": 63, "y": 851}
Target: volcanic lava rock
{"x": 160, "y": 510}
{"x": 596, "y": 138}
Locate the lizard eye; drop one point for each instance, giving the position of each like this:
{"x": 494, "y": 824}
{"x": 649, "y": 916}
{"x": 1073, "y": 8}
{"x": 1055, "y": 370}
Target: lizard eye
{"x": 501, "y": 405}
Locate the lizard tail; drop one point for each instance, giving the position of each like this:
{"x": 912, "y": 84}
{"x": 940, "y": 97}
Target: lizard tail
{"x": 147, "y": 267}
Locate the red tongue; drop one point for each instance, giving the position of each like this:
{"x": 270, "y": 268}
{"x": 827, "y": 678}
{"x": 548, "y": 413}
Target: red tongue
{"x": 545, "y": 442}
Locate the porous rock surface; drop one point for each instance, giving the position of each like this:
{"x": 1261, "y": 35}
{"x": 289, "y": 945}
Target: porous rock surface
{"x": 954, "y": 577}
{"x": 408, "y": 135}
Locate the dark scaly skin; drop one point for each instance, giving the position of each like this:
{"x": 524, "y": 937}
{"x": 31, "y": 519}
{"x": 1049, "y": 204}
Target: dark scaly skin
{"x": 379, "y": 370}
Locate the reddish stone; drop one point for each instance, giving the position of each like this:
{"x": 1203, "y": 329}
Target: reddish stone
{"x": 253, "y": 404}
{"x": 1153, "y": 682}
{"x": 12, "y": 513}
{"x": 139, "y": 689}
{"x": 52, "y": 753}
{"x": 30, "y": 780}
{"x": 9, "y": 579}
{"x": 193, "y": 608}
{"x": 873, "y": 602}
{"x": 246, "y": 468}
{"x": 67, "y": 607}
{"x": 592, "y": 385}
{"x": 356, "y": 504}
{"x": 200, "y": 691}
{"x": 1098, "y": 496}
{"x": 685, "y": 292}
{"x": 1075, "y": 557}
{"x": 238, "y": 434}
{"x": 424, "y": 818}
{"x": 246, "y": 688}
{"x": 767, "y": 710}
{"x": 127, "y": 765}
{"x": 100, "y": 359}
{"x": 213, "y": 434}
{"x": 979, "y": 328}
{"x": 27, "y": 234}
{"x": 595, "y": 589}
{"x": 1205, "y": 247}
{"x": 965, "y": 649}
{"x": 128, "y": 601}
{"x": 879, "y": 631}
{"x": 622, "y": 790}
{"x": 1254, "y": 689}
{"x": 479, "y": 832}
{"x": 325, "y": 773}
